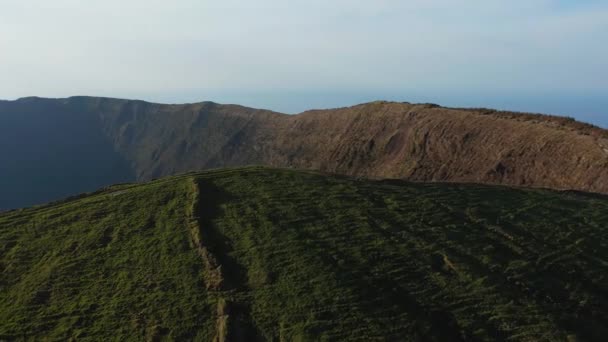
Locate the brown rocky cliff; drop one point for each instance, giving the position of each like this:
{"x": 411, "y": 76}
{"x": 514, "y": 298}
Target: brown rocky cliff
{"x": 428, "y": 143}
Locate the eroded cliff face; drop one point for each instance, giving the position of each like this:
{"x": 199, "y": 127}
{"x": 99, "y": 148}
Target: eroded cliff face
{"x": 377, "y": 140}
{"x": 429, "y": 143}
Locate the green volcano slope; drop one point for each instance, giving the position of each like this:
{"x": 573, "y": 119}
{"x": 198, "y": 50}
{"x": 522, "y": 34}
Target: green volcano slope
{"x": 267, "y": 254}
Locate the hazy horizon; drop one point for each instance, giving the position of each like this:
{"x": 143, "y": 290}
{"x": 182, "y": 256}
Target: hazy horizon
{"x": 544, "y": 56}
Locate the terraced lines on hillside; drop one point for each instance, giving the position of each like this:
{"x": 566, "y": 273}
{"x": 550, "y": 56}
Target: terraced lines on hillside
{"x": 410, "y": 259}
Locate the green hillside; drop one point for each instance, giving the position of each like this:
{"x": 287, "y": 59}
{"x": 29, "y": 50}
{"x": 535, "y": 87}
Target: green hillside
{"x": 269, "y": 254}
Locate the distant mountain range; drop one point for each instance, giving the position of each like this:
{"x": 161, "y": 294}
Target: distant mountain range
{"x": 52, "y": 148}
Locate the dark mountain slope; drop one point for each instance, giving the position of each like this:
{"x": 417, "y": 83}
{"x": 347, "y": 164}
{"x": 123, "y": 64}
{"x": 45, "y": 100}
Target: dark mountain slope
{"x": 49, "y": 151}
{"x": 377, "y": 140}
{"x": 291, "y": 255}
{"x": 161, "y": 140}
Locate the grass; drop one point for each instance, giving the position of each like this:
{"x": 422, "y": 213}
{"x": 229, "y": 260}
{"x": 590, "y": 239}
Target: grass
{"x": 112, "y": 266}
{"x": 270, "y": 254}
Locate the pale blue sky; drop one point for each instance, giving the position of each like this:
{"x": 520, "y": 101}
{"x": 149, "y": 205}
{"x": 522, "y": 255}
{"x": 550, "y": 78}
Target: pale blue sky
{"x": 528, "y": 55}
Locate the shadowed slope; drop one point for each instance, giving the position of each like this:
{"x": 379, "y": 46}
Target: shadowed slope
{"x": 50, "y": 151}
{"x": 316, "y": 257}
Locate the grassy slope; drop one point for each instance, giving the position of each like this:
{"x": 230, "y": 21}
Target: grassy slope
{"x": 300, "y": 255}
{"x": 115, "y": 265}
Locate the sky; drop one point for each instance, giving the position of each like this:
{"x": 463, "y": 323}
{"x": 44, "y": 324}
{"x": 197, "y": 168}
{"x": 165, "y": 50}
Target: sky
{"x": 548, "y": 56}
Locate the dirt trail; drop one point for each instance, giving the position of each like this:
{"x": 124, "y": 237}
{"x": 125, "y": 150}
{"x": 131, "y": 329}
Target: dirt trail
{"x": 232, "y": 323}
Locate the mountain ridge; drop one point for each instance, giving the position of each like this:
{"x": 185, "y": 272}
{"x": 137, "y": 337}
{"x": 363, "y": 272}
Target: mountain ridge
{"x": 483, "y": 110}
{"x": 381, "y": 139}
